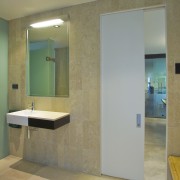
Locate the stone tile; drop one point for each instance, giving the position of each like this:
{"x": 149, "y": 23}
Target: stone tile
{"x": 18, "y": 169}
{"x": 173, "y": 140}
{"x": 90, "y": 162}
{"x": 12, "y": 174}
{"x": 155, "y": 153}
{"x": 7, "y": 162}
{"x": 155, "y": 131}
{"x": 155, "y": 149}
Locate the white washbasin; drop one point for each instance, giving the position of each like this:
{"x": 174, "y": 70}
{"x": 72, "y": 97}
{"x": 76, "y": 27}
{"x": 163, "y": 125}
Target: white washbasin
{"x": 18, "y": 117}
{"x": 23, "y": 117}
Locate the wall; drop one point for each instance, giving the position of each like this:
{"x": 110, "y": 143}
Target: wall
{"x": 4, "y": 147}
{"x": 173, "y": 54}
{"x": 75, "y": 146}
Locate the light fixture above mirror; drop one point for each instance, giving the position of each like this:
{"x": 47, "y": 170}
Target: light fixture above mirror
{"x": 48, "y": 23}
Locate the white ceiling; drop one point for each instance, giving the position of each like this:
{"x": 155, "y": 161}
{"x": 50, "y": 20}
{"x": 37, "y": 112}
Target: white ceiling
{"x": 12, "y": 9}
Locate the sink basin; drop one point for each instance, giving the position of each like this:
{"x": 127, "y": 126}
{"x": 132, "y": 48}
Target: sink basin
{"x": 41, "y": 119}
{"x": 18, "y": 117}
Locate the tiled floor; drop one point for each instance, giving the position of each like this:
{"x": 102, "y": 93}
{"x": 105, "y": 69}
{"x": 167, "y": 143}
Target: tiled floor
{"x": 14, "y": 168}
{"x": 155, "y": 149}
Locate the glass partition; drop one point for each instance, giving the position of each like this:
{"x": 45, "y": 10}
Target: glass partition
{"x": 155, "y": 87}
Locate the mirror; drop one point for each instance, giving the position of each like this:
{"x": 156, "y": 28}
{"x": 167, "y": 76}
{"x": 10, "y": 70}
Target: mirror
{"x": 48, "y": 61}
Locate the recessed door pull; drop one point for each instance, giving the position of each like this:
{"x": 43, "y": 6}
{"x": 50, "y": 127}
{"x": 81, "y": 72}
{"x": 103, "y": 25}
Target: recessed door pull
{"x": 138, "y": 120}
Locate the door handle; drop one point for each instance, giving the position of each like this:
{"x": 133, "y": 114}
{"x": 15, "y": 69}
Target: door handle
{"x": 138, "y": 120}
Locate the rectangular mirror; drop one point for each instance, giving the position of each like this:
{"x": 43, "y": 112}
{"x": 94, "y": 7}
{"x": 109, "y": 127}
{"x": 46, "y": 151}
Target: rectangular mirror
{"x": 48, "y": 61}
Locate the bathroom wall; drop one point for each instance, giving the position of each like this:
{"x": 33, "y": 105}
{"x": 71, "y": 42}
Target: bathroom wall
{"x": 4, "y": 146}
{"x": 75, "y": 146}
{"x": 173, "y": 56}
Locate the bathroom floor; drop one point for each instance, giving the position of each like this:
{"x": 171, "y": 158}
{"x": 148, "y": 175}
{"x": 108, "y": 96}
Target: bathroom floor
{"x": 15, "y": 168}
{"x": 155, "y": 149}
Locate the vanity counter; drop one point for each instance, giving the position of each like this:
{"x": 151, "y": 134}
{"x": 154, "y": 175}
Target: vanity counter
{"x": 40, "y": 119}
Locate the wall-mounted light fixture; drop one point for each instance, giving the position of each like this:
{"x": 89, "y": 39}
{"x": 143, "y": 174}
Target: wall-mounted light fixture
{"x": 52, "y": 22}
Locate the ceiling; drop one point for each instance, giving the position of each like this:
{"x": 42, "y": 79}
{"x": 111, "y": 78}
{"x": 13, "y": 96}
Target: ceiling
{"x": 12, "y": 9}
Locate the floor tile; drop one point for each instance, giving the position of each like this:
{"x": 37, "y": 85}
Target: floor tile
{"x": 14, "y": 168}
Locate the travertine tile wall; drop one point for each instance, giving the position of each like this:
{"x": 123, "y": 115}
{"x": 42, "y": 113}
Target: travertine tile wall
{"x": 173, "y": 56}
{"x": 75, "y": 146}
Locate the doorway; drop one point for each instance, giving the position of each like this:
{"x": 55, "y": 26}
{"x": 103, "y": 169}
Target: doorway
{"x": 155, "y": 94}
{"x": 122, "y": 94}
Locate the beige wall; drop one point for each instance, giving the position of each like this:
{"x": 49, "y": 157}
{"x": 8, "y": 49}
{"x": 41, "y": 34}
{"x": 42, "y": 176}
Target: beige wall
{"x": 62, "y": 71}
{"x": 173, "y": 43}
{"x": 77, "y": 145}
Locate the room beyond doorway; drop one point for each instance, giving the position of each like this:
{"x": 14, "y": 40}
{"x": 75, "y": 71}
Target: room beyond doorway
{"x": 155, "y": 95}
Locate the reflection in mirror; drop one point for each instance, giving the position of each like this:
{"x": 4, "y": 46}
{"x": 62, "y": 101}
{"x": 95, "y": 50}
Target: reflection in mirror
{"x": 48, "y": 61}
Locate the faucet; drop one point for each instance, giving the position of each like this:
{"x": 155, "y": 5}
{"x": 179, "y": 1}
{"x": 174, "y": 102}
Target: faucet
{"x": 32, "y": 105}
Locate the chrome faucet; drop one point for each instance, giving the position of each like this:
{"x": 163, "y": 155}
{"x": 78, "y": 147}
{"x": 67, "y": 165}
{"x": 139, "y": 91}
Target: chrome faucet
{"x": 32, "y": 106}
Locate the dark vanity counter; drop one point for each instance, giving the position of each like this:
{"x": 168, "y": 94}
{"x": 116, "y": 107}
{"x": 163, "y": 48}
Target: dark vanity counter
{"x": 40, "y": 119}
